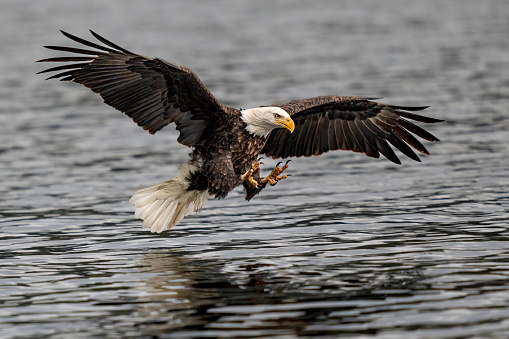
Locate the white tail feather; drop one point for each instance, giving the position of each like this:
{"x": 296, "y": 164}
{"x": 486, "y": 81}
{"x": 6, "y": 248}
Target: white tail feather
{"x": 163, "y": 205}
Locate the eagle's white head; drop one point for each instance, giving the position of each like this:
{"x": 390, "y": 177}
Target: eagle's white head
{"x": 262, "y": 120}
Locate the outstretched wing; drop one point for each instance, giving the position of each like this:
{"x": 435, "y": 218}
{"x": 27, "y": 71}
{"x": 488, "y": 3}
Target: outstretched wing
{"x": 152, "y": 91}
{"x": 349, "y": 123}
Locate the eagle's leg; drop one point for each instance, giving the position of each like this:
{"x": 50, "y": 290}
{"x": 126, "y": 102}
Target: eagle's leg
{"x": 274, "y": 177}
{"x": 253, "y": 184}
{"x": 249, "y": 176}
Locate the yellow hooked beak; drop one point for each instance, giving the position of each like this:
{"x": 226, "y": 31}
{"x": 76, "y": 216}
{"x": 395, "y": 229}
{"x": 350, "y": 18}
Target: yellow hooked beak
{"x": 286, "y": 123}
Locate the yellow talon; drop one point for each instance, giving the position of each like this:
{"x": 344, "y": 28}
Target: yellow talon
{"x": 273, "y": 177}
{"x": 249, "y": 175}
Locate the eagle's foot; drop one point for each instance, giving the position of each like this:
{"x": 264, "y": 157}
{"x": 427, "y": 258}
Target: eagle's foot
{"x": 274, "y": 177}
{"x": 249, "y": 175}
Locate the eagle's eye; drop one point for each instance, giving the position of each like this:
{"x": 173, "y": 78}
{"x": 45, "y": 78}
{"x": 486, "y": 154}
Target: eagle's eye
{"x": 277, "y": 116}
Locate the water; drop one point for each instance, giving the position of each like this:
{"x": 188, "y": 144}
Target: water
{"x": 348, "y": 246}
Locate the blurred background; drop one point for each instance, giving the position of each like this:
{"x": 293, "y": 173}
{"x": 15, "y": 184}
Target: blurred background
{"x": 348, "y": 246}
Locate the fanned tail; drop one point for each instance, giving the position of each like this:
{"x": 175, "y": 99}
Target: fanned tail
{"x": 163, "y": 205}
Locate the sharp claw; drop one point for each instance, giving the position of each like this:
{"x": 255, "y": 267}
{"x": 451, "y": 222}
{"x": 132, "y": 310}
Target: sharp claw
{"x": 261, "y": 158}
{"x": 279, "y": 163}
{"x": 288, "y": 175}
{"x": 274, "y": 184}
{"x": 286, "y": 163}
{"x": 261, "y": 163}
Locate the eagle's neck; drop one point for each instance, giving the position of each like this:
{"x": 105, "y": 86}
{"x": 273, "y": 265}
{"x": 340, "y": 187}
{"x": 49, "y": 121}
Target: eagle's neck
{"x": 257, "y": 122}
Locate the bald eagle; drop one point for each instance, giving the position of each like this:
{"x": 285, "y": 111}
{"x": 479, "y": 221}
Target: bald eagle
{"x": 227, "y": 142}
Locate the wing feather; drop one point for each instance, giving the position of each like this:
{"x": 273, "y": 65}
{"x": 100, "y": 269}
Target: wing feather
{"x": 349, "y": 123}
{"x": 333, "y": 142}
{"x": 75, "y": 50}
{"x": 278, "y": 146}
{"x": 417, "y": 130}
{"x": 324, "y": 137}
{"x": 347, "y": 137}
{"x": 66, "y": 59}
{"x": 59, "y": 68}
{"x": 410, "y": 139}
{"x": 404, "y": 148}
{"x": 88, "y": 43}
{"x": 357, "y": 136}
{"x": 308, "y": 138}
{"x": 152, "y": 91}
{"x": 341, "y": 138}
{"x": 367, "y": 137}
{"x": 109, "y": 43}
{"x": 387, "y": 151}
{"x": 316, "y": 147}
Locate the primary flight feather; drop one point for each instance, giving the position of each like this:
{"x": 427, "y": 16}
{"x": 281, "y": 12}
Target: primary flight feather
{"x": 227, "y": 141}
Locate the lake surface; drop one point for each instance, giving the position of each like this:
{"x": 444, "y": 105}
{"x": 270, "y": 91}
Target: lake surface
{"x": 348, "y": 246}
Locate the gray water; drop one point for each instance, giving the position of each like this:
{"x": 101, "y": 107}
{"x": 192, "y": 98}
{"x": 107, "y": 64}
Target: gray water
{"x": 348, "y": 246}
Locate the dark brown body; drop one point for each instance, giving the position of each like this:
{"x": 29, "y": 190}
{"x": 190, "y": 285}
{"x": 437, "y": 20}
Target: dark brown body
{"x": 226, "y": 152}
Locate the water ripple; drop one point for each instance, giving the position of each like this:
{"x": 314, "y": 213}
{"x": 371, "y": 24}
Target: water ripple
{"x": 348, "y": 246}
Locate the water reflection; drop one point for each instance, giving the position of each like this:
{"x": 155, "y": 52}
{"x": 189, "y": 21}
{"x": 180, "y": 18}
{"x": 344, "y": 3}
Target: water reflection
{"x": 203, "y": 296}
